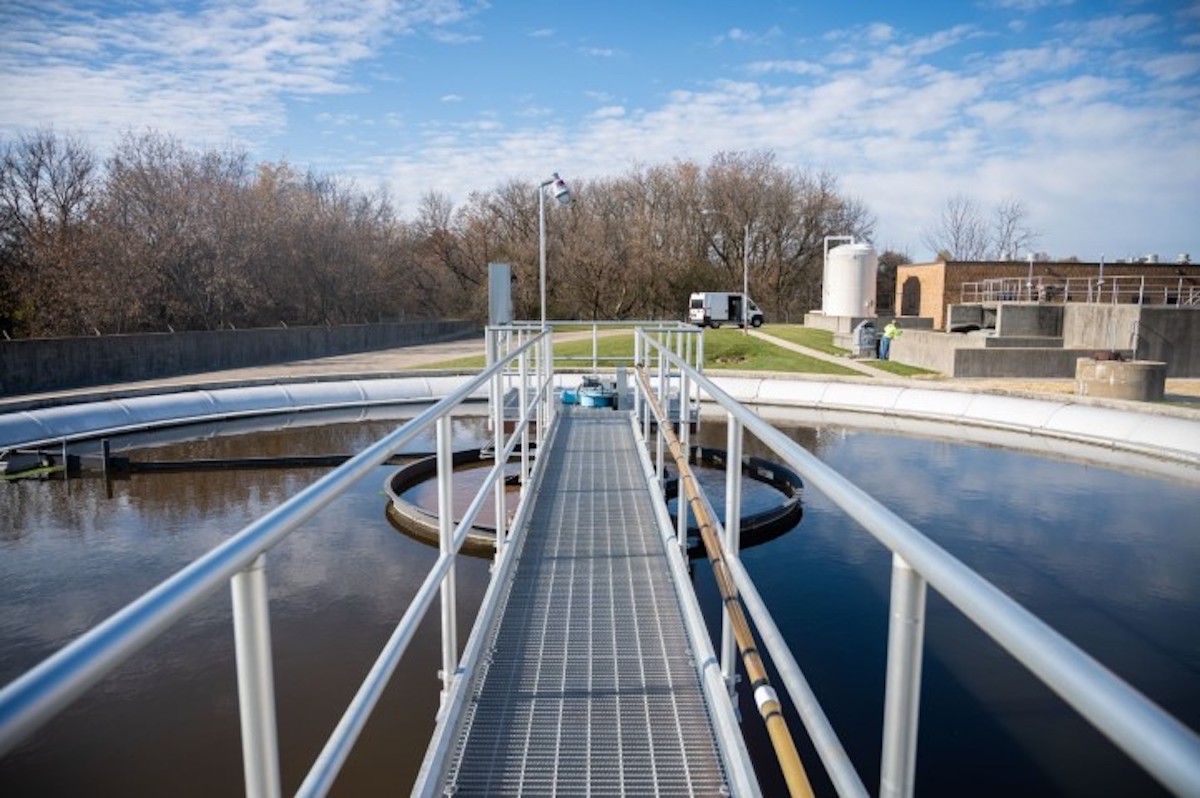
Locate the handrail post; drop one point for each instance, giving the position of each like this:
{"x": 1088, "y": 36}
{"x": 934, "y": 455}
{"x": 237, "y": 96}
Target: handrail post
{"x": 548, "y": 397}
{"x": 445, "y": 476}
{"x": 543, "y": 410}
{"x": 524, "y": 420}
{"x": 256, "y": 687}
{"x": 491, "y": 355}
{"x": 659, "y": 462}
{"x": 642, "y": 355}
{"x": 732, "y": 541}
{"x": 681, "y": 506}
{"x": 498, "y": 456}
{"x": 902, "y": 698}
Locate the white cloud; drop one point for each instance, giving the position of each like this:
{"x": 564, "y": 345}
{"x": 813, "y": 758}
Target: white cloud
{"x": 743, "y": 36}
{"x": 785, "y": 67}
{"x": 1069, "y": 122}
{"x": 879, "y": 32}
{"x": 1028, "y": 6}
{"x": 1176, "y": 67}
{"x": 1112, "y": 31}
{"x": 222, "y": 71}
{"x": 903, "y": 135}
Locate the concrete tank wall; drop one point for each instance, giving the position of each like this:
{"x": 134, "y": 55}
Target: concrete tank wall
{"x": 48, "y": 364}
{"x": 1164, "y": 333}
{"x": 1029, "y": 319}
{"x": 1099, "y": 326}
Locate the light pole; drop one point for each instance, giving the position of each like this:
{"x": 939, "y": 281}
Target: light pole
{"x": 745, "y": 269}
{"x": 563, "y": 195}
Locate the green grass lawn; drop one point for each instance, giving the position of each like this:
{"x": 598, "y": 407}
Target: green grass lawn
{"x": 899, "y": 369}
{"x": 820, "y": 340}
{"x": 723, "y": 349}
{"x": 731, "y": 349}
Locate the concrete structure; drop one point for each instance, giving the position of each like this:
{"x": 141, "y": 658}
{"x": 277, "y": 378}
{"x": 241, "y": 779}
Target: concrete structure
{"x": 843, "y": 327}
{"x": 50, "y": 364}
{"x": 1028, "y": 339}
{"x": 925, "y": 289}
{"x": 1138, "y": 380}
{"x": 1106, "y": 427}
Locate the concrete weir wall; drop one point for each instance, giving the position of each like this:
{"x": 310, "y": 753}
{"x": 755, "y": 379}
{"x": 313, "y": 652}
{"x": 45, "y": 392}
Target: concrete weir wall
{"x": 1162, "y": 436}
{"x": 48, "y": 364}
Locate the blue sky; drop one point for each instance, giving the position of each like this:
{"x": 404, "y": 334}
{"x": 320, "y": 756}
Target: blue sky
{"x": 1088, "y": 112}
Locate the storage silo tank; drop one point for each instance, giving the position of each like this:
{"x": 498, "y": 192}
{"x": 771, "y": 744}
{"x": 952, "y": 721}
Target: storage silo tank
{"x": 849, "y": 284}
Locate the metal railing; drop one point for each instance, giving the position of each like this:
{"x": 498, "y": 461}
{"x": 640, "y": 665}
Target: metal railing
{"x": 1164, "y": 747}
{"x": 38, "y": 695}
{"x": 521, "y": 363}
{"x": 1115, "y": 289}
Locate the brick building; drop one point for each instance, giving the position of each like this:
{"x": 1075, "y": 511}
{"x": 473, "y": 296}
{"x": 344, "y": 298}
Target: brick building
{"x": 925, "y": 289}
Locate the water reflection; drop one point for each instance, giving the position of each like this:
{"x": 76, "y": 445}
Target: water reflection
{"x": 1109, "y": 558}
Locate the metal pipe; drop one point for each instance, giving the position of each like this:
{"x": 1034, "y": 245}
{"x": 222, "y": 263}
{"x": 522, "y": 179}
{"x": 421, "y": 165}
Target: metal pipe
{"x": 524, "y": 421}
{"x": 729, "y": 737}
{"x": 659, "y": 439}
{"x": 681, "y": 507}
{"x": 732, "y": 541}
{"x": 445, "y": 478}
{"x": 256, "y": 686}
{"x": 542, "y": 247}
{"x": 829, "y": 748}
{"x": 902, "y": 698}
{"x": 764, "y": 695}
{"x": 497, "y": 446}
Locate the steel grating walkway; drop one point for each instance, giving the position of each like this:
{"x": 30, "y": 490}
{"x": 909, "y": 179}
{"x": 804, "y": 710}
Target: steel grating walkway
{"x": 588, "y": 685}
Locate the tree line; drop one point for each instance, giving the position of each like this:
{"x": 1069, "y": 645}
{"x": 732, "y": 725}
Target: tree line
{"x": 160, "y": 236}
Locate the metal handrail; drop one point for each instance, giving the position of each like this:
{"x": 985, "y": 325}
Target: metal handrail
{"x": 1113, "y": 289}
{"x": 39, "y": 694}
{"x": 1162, "y": 745}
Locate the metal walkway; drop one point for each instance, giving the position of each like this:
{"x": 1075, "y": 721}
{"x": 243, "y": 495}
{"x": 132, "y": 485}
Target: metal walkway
{"x": 588, "y": 684}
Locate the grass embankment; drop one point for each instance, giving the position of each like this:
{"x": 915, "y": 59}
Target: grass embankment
{"x": 822, "y": 341}
{"x": 723, "y": 349}
{"x": 733, "y": 349}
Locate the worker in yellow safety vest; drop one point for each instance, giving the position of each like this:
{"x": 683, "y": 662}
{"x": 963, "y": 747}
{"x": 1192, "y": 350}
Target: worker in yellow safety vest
{"x": 892, "y": 330}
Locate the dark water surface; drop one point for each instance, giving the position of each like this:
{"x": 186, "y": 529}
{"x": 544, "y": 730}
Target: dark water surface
{"x": 1110, "y": 559}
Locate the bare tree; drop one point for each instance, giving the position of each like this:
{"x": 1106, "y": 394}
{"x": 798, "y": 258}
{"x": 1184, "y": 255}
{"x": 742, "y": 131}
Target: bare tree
{"x": 1011, "y": 233}
{"x": 176, "y": 237}
{"x": 961, "y": 231}
{"x": 47, "y": 186}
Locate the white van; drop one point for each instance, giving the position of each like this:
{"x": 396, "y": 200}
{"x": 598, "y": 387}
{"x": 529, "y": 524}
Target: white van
{"x": 714, "y": 308}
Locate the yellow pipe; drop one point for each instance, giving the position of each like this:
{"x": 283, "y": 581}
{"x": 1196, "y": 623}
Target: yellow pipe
{"x": 764, "y": 695}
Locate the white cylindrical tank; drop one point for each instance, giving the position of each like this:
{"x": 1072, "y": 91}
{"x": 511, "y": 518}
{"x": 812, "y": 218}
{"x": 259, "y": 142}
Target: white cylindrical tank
{"x": 849, "y": 285}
